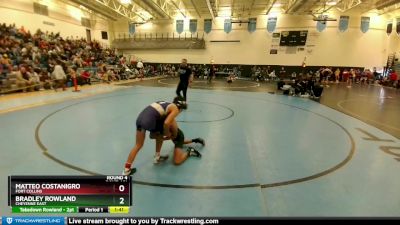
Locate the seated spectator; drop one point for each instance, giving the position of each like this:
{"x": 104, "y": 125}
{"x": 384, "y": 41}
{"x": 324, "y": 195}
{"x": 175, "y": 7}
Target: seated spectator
{"x": 85, "y": 77}
{"x": 77, "y": 61}
{"x": 102, "y": 74}
{"x": 230, "y": 78}
{"x": 35, "y": 78}
{"x": 24, "y": 79}
{"x": 121, "y": 73}
{"x": 5, "y": 65}
{"x": 112, "y": 76}
{"x": 45, "y": 79}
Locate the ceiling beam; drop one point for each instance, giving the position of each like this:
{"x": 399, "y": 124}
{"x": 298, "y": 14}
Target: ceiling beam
{"x": 232, "y": 7}
{"x": 347, "y": 5}
{"x": 195, "y": 8}
{"x": 270, "y": 6}
{"x": 386, "y": 3}
{"x": 210, "y": 9}
{"x": 183, "y": 5}
{"x": 324, "y": 10}
{"x": 310, "y": 4}
{"x": 389, "y": 9}
{"x": 160, "y": 5}
{"x": 117, "y": 7}
{"x": 251, "y": 6}
{"x": 157, "y": 9}
{"x": 177, "y": 7}
{"x": 290, "y": 5}
{"x": 381, "y": 6}
{"x": 96, "y": 8}
{"x": 214, "y": 6}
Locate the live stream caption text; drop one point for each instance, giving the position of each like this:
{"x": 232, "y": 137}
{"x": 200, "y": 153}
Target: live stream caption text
{"x": 137, "y": 221}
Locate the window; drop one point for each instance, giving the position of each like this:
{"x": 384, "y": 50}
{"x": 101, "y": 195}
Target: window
{"x": 104, "y": 35}
{"x": 40, "y": 9}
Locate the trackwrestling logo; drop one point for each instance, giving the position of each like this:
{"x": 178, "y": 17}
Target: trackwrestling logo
{"x": 32, "y": 220}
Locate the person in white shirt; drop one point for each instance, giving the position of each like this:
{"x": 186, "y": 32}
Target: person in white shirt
{"x": 59, "y": 76}
{"x": 140, "y": 66}
{"x": 272, "y": 75}
{"x": 294, "y": 75}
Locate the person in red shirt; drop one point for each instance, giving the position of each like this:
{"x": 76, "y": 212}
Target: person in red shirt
{"x": 393, "y": 76}
{"x": 85, "y": 75}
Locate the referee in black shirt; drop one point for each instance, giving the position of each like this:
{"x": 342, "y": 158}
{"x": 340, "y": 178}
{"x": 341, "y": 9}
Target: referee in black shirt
{"x": 185, "y": 78}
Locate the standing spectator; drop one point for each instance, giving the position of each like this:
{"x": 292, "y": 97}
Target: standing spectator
{"x": 205, "y": 73}
{"x": 376, "y": 74}
{"x": 294, "y": 75}
{"x": 392, "y": 77}
{"x": 337, "y": 75}
{"x": 272, "y": 75}
{"x": 352, "y": 77}
{"x": 211, "y": 72}
{"x": 59, "y": 76}
{"x": 282, "y": 73}
{"x": 140, "y": 68}
{"x": 326, "y": 74}
{"x": 364, "y": 77}
{"x": 345, "y": 76}
{"x": 173, "y": 70}
{"x": 317, "y": 76}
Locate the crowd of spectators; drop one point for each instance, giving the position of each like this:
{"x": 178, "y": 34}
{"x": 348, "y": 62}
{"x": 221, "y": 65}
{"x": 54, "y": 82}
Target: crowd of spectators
{"x": 43, "y": 60}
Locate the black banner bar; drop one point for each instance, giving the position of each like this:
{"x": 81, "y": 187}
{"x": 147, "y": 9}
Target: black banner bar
{"x": 9, "y": 190}
{"x": 219, "y": 221}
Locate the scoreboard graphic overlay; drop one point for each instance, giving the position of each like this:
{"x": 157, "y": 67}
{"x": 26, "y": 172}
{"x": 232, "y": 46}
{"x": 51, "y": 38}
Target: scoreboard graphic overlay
{"x": 69, "y": 194}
